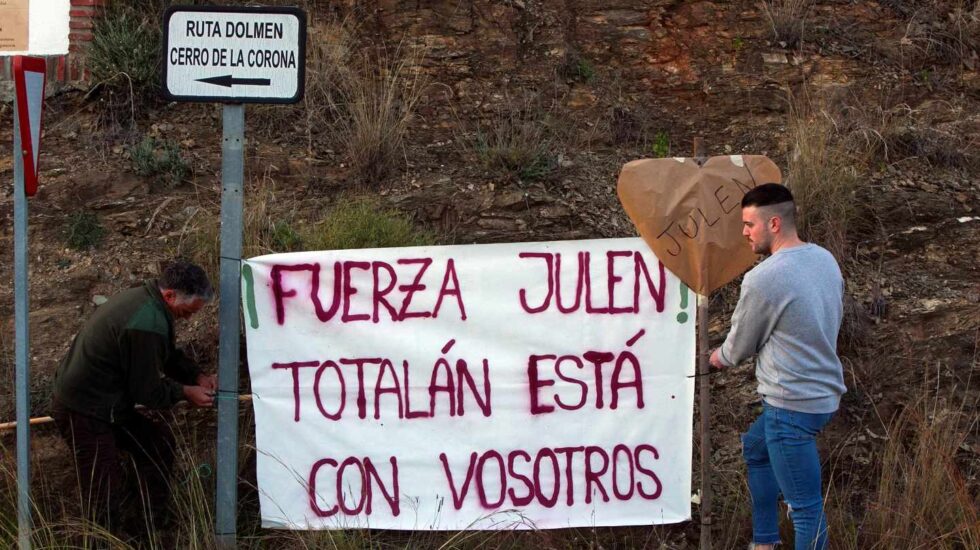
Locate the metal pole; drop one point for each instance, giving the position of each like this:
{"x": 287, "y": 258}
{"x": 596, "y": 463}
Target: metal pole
{"x": 21, "y": 343}
{"x": 232, "y": 176}
{"x": 704, "y": 394}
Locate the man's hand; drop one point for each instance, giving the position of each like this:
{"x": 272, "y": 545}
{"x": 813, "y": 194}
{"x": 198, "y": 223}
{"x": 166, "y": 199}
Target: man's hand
{"x": 199, "y": 396}
{"x": 715, "y": 359}
{"x": 208, "y": 382}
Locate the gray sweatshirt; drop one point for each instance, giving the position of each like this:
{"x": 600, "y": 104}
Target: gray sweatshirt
{"x": 789, "y": 313}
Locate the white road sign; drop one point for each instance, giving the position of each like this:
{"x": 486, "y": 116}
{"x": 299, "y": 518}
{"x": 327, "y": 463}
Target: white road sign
{"x": 238, "y": 55}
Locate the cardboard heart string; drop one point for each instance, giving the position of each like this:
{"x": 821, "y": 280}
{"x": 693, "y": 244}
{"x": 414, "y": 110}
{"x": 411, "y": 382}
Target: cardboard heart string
{"x": 690, "y": 216}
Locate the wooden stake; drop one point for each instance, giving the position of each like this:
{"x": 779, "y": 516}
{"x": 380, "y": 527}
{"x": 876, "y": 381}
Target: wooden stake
{"x": 704, "y": 394}
{"x": 46, "y": 419}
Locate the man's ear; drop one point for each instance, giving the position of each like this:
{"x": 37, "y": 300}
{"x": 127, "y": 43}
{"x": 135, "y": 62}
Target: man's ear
{"x": 775, "y": 224}
{"x": 169, "y": 295}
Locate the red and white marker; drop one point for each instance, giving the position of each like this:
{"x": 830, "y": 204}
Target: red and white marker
{"x": 29, "y": 80}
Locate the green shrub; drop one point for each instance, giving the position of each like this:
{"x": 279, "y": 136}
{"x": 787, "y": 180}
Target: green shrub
{"x": 576, "y": 68}
{"x": 661, "y": 145}
{"x": 84, "y": 230}
{"x": 143, "y": 158}
{"x": 160, "y": 160}
{"x": 284, "y": 238}
{"x": 124, "y": 58}
{"x": 360, "y": 224}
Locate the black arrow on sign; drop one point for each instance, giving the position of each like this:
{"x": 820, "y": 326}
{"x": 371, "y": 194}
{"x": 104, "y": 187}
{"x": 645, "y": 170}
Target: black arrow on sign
{"x": 228, "y": 81}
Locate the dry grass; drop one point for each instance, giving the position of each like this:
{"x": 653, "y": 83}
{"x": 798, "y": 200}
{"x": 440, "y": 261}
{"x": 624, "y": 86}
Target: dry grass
{"x": 52, "y": 527}
{"x": 517, "y": 144}
{"x": 919, "y": 499}
{"x": 263, "y": 230}
{"x": 922, "y": 499}
{"x": 268, "y": 227}
{"x": 893, "y": 125}
{"x": 361, "y": 97}
{"x": 939, "y": 32}
{"x": 376, "y": 98}
{"x": 823, "y": 172}
{"x": 787, "y": 20}
{"x": 329, "y": 55}
{"x": 7, "y": 396}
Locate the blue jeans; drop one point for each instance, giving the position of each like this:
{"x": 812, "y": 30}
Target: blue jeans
{"x": 780, "y": 451}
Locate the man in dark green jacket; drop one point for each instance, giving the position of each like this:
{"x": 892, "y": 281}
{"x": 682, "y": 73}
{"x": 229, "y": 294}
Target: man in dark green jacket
{"x": 124, "y": 354}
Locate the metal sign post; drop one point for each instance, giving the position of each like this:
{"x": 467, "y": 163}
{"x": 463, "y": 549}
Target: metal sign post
{"x": 232, "y": 55}
{"x": 21, "y": 343}
{"x": 27, "y": 28}
{"x": 232, "y": 177}
{"x": 29, "y": 79}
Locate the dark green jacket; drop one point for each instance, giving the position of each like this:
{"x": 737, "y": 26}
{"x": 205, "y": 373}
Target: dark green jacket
{"x": 120, "y": 356}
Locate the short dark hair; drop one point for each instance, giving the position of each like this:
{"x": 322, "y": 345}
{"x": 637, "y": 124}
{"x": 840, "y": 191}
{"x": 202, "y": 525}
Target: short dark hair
{"x": 767, "y": 194}
{"x": 186, "y": 278}
{"x": 773, "y": 199}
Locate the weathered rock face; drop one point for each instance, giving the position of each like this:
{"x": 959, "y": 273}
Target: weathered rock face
{"x": 657, "y": 44}
{"x": 595, "y": 54}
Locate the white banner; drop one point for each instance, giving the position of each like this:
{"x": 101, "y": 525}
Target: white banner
{"x": 506, "y": 386}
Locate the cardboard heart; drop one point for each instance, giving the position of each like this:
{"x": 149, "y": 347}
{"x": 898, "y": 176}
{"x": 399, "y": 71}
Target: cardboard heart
{"x": 691, "y": 216}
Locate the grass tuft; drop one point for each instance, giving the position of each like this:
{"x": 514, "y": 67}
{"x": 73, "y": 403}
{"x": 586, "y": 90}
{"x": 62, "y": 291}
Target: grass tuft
{"x": 939, "y": 32}
{"x": 329, "y": 58}
{"x": 160, "y": 160}
{"x": 83, "y": 230}
{"x": 787, "y": 20}
{"x": 518, "y": 145}
{"x": 373, "y": 104}
{"x": 263, "y": 230}
{"x": 360, "y": 224}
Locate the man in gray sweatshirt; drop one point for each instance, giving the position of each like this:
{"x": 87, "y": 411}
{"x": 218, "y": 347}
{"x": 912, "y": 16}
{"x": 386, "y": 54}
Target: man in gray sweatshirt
{"x": 788, "y": 314}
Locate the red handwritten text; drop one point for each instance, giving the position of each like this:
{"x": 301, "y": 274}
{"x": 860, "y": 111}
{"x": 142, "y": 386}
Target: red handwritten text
{"x": 372, "y": 379}
{"x": 517, "y": 478}
{"x": 388, "y": 298}
{"x": 582, "y": 296}
{"x": 365, "y": 476}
